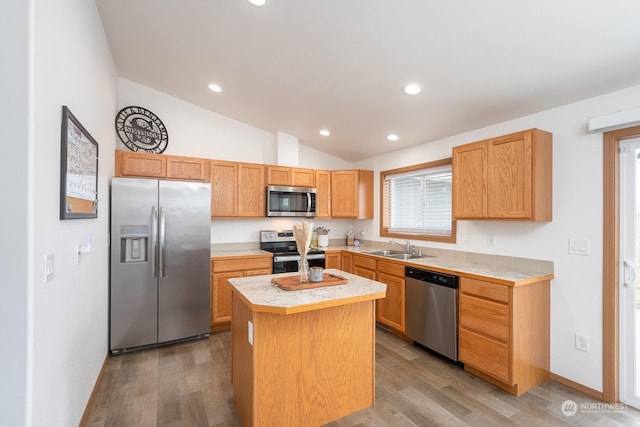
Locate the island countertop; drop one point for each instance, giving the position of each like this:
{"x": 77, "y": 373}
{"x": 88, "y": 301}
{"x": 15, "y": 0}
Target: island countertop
{"x": 262, "y": 296}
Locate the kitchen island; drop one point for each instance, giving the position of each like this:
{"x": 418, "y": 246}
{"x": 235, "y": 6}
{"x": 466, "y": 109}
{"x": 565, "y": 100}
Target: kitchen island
{"x": 304, "y": 357}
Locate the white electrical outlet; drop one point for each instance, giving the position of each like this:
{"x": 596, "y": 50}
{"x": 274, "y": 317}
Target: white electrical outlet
{"x": 466, "y": 238}
{"x": 582, "y": 343}
{"x": 491, "y": 240}
{"x": 250, "y": 332}
{"x": 48, "y": 267}
{"x": 579, "y": 247}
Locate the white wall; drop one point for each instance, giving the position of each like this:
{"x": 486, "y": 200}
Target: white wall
{"x": 195, "y": 131}
{"x": 73, "y": 67}
{"x": 576, "y": 299}
{"x": 15, "y": 182}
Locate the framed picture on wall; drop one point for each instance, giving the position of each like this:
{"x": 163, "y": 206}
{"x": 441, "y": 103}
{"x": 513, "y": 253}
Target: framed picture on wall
{"x": 78, "y": 170}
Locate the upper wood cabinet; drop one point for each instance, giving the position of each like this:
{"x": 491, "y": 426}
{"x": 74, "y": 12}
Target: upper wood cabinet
{"x": 237, "y": 189}
{"x": 508, "y": 177}
{"x": 224, "y": 189}
{"x": 251, "y": 190}
{"x": 352, "y": 194}
{"x": 282, "y": 175}
{"x": 323, "y": 194}
{"x": 147, "y": 165}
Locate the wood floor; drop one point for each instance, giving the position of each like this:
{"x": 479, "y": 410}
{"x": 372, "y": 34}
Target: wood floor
{"x": 189, "y": 385}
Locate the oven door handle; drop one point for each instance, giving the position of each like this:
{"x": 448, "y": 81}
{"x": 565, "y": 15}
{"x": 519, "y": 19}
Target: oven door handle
{"x": 285, "y": 258}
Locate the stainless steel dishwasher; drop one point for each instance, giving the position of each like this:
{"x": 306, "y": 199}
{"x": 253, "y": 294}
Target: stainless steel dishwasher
{"x": 432, "y": 310}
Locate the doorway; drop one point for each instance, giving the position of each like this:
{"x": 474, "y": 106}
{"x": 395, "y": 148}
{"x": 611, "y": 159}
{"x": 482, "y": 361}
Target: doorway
{"x": 629, "y": 268}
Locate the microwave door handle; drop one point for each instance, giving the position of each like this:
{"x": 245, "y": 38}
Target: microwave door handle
{"x": 308, "y": 202}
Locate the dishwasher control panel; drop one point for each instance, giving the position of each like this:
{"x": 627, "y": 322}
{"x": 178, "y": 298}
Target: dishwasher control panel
{"x": 448, "y": 280}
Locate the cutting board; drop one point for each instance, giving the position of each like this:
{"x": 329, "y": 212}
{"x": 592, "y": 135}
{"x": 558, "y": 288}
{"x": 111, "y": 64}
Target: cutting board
{"x": 292, "y": 283}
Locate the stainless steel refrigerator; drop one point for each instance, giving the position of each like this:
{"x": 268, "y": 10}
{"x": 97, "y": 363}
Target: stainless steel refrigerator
{"x": 160, "y": 262}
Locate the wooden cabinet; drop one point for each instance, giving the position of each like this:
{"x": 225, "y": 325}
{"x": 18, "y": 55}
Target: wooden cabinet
{"x": 323, "y": 193}
{"x": 332, "y": 259}
{"x": 224, "y": 189}
{"x": 364, "y": 266}
{"x": 504, "y": 333}
{"x": 391, "y": 309}
{"x": 223, "y": 269}
{"x": 251, "y": 190}
{"x": 281, "y": 175}
{"x": 147, "y": 165}
{"x": 508, "y": 177}
{"x": 237, "y": 189}
{"x": 352, "y": 194}
{"x": 346, "y": 262}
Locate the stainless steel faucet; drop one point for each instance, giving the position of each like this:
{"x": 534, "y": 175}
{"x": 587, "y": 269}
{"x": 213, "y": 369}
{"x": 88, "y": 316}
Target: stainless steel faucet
{"x": 407, "y": 247}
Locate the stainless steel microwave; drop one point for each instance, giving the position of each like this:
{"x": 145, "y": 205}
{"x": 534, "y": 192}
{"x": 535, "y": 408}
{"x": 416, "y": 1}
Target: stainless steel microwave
{"x": 291, "y": 201}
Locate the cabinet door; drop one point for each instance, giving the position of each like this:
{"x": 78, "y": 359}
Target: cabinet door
{"x": 187, "y": 168}
{"x": 251, "y": 190}
{"x": 141, "y": 164}
{"x": 224, "y": 189}
{"x": 509, "y": 176}
{"x": 391, "y": 309}
{"x": 344, "y": 194}
{"x": 332, "y": 260}
{"x": 470, "y": 180}
{"x": 279, "y": 175}
{"x": 221, "y": 296}
{"x": 303, "y": 177}
{"x": 323, "y": 194}
{"x": 346, "y": 262}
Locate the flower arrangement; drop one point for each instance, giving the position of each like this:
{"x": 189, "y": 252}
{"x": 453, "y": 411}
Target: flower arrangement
{"x": 322, "y": 231}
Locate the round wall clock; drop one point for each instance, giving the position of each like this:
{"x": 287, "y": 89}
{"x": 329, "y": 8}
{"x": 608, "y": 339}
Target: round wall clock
{"x": 141, "y": 130}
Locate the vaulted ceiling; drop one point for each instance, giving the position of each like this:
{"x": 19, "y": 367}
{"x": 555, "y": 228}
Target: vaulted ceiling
{"x": 299, "y": 66}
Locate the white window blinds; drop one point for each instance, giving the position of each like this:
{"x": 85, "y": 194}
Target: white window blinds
{"x": 419, "y": 202}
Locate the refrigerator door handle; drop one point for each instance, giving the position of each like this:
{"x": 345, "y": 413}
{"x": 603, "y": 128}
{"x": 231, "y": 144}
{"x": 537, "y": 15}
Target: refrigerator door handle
{"x": 154, "y": 241}
{"x": 162, "y": 241}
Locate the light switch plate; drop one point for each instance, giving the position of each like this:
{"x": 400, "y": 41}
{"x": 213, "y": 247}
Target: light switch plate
{"x": 579, "y": 247}
{"x": 48, "y": 267}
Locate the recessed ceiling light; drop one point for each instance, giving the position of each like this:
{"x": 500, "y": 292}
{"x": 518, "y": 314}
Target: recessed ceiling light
{"x": 216, "y": 88}
{"x": 258, "y": 2}
{"x": 325, "y": 132}
{"x": 392, "y": 137}
{"x": 412, "y": 88}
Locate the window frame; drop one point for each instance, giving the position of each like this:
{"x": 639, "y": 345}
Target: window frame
{"x": 384, "y": 218}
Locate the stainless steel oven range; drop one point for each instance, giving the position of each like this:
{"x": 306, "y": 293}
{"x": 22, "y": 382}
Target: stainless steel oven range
{"x": 285, "y": 255}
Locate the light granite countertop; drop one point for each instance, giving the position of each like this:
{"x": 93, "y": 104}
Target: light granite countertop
{"x": 263, "y": 296}
{"x": 503, "y": 270}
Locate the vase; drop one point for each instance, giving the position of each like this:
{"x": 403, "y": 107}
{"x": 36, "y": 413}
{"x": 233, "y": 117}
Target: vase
{"x": 323, "y": 240}
{"x": 303, "y": 269}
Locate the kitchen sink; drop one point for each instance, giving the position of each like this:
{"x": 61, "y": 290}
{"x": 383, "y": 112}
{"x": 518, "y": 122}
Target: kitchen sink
{"x": 408, "y": 256}
{"x": 388, "y": 252}
{"x": 398, "y": 254}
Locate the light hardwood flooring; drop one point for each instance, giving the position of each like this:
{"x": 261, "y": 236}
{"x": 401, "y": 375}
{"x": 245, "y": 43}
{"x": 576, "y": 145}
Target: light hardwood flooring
{"x": 189, "y": 384}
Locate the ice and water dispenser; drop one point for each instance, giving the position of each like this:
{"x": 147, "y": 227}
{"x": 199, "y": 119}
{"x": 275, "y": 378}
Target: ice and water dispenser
{"x": 134, "y": 241}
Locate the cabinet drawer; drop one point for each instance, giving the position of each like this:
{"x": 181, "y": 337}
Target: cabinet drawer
{"x": 392, "y": 268}
{"x": 241, "y": 264}
{"x": 364, "y": 272}
{"x": 259, "y": 272}
{"x": 487, "y": 290}
{"x": 485, "y": 354}
{"x": 364, "y": 262}
{"x": 486, "y": 317}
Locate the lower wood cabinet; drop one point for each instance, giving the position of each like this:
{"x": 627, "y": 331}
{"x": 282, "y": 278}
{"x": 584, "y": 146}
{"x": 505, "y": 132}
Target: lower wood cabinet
{"x": 223, "y": 269}
{"x": 332, "y": 259}
{"x": 391, "y": 310}
{"x": 504, "y": 333}
{"x": 346, "y": 262}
